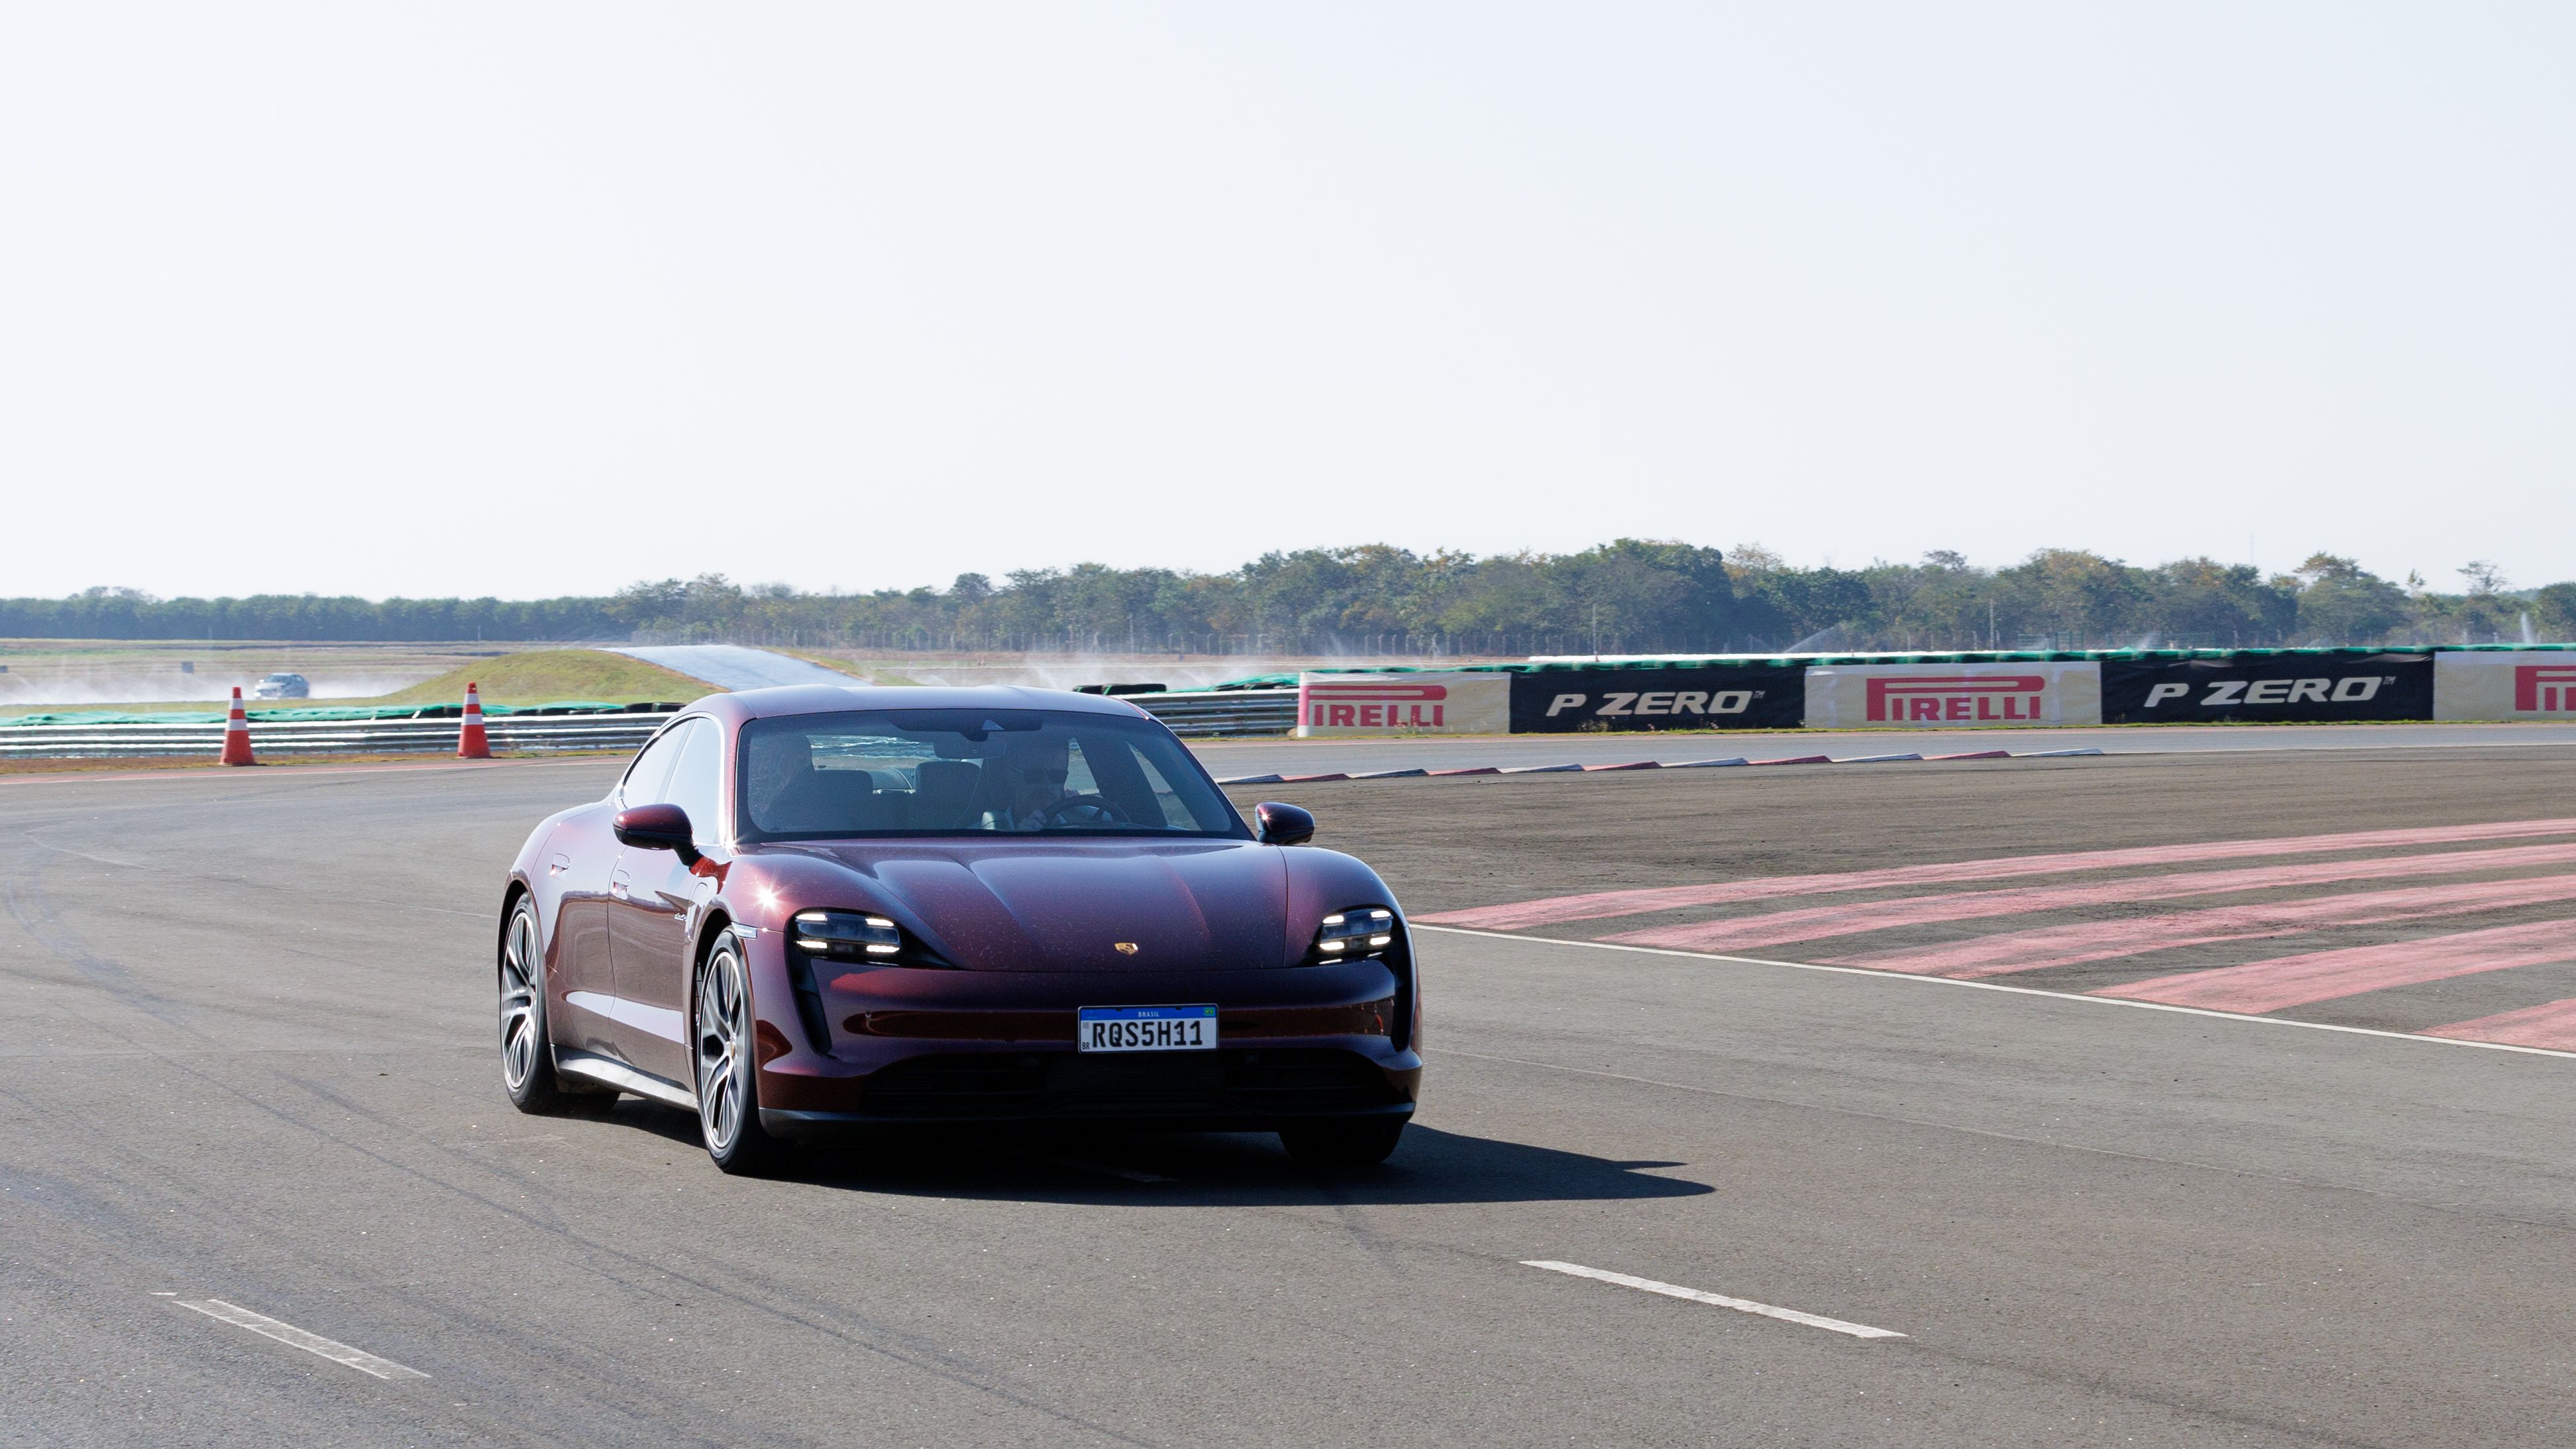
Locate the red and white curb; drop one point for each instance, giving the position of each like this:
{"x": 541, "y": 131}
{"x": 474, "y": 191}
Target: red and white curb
{"x": 1648, "y": 765}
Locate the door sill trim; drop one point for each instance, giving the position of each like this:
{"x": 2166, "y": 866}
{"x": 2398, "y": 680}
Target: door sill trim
{"x": 614, "y": 1073}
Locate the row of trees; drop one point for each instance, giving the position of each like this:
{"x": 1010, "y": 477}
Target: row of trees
{"x": 1629, "y": 596}
{"x": 133, "y": 614}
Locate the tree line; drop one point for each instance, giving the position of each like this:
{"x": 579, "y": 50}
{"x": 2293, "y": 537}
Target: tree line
{"x": 1627, "y": 596}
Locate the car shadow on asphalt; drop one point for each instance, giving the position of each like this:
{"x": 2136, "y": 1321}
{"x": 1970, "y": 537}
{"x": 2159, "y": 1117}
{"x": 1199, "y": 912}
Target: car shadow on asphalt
{"x": 1221, "y": 1169}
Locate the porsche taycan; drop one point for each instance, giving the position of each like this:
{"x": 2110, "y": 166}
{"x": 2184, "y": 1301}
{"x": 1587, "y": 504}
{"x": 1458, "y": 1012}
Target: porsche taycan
{"x": 815, "y": 910}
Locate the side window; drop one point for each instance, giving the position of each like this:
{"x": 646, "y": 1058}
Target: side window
{"x": 652, "y": 769}
{"x": 694, "y": 780}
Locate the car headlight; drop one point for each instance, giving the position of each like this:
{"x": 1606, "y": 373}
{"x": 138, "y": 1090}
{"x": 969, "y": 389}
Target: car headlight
{"x": 857, "y": 937}
{"x": 847, "y": 935}
{"x": 1360, "y": 931}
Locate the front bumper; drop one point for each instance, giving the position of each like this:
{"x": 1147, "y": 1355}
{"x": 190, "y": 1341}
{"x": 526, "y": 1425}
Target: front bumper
{"x": 913, "y": 1046}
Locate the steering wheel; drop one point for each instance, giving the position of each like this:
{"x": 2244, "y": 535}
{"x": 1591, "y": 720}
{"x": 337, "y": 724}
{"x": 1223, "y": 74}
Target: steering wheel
{"x": 1081, "y": 810}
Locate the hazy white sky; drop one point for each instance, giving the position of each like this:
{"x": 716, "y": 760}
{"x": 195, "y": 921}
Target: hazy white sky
{"x": 534, "y": 299}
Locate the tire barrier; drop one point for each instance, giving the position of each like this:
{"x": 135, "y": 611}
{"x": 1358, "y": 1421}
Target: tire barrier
{"x": 1747, "y": 696}
{"x": 1948, "y": 694}
{"x": 2270, "y": 689}
{"x": 2519, "y": 684}
{"x": 1650, "y": 765}
{"x": 1992, "y": 689}
{"x": 1460, "y": 702}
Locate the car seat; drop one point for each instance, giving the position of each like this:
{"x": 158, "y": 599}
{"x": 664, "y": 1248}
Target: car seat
{"x": 943, "y": 794}
{"x": 791, "y": 792}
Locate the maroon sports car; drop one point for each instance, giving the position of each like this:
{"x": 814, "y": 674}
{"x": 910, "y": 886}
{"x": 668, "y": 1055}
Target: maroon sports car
{"x": 811, "y": 909}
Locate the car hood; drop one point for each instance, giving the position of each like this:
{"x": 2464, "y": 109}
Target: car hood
{"x": 1067, "y": 905}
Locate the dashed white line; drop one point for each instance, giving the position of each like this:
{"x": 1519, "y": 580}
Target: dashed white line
{"x": 313, "y": 1343}
{"x": 1720, "y": 1300}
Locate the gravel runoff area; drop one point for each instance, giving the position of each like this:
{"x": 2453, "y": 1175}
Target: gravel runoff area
{"x": 254, "y": 1097}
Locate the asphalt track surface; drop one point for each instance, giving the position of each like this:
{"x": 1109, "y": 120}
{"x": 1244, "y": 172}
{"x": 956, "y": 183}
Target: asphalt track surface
{"x": 252, "y": 1072}
{"x": 735, "y": 666}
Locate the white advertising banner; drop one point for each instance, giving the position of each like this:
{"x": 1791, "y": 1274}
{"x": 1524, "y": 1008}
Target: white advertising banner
{"x": 1951, "y": 696}
{"x": 1378, "y": 704}
{"x": 2506, "y": 684}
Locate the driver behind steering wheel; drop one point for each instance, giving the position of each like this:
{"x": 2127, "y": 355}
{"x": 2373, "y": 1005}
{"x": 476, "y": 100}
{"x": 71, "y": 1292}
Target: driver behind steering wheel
{"x": 1034, "y": 769}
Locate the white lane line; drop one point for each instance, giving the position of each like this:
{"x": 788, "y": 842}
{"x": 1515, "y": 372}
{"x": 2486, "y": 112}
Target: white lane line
{"x": 2491, "y": 1046}
{"x": 313, "y": 1343}
{"x": 1720, "y": 1300}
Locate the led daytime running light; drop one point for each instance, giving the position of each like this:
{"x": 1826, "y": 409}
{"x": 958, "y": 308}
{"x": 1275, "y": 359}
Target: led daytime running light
{"x": 847, "y": 933}
{"x": 1357, "y": 932}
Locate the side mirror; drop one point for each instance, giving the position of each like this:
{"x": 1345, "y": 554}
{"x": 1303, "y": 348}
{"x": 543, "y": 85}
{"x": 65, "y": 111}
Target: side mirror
{"x": 1280, "y": 824}
{"x": 658, "y": 827}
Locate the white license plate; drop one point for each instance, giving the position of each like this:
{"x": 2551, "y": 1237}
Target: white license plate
{"x": 1145, "y": 1028}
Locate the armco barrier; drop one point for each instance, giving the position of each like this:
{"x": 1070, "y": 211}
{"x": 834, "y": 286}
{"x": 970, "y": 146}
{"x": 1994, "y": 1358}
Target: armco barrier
{"x": 1213, "y": 713}
{"x": 1222, "y": 713}
{"x": 509, "y": 734}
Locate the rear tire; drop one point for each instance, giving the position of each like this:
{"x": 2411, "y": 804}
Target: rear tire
{"x": 1364, "y": 1142}
{"x": 527, "y": 1049}
{"x": 727, "y": 1081}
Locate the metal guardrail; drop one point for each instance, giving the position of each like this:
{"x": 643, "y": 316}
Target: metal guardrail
{"x": 1203, "y": 713}
{"x": 508, "y": 734}
{"x": 1222, "y": 712}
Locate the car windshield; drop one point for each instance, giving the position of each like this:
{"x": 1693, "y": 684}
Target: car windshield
{"x": 972, "y": 772}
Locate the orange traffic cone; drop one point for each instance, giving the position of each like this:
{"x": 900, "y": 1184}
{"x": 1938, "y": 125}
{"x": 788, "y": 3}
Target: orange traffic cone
{"x": 471, "y": 742}
{"x": 237, "y": 734}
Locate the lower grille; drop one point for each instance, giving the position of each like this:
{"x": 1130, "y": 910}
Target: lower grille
{"x": 1227, "y": 1083}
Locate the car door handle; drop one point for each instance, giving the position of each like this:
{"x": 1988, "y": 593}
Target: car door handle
{"x": 617, "y": 885}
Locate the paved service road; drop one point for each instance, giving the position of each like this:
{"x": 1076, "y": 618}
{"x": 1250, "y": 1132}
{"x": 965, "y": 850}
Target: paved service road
{"x": 732, "y": 666}
{"x": 258, "y": 1175}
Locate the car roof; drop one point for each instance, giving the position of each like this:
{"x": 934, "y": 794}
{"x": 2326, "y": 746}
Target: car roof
{"x": 794, "y": 699}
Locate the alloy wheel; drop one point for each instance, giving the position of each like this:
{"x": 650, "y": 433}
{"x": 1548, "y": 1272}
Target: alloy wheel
{"x": 523, "y": 989}
{"x": 724, "y": 1030}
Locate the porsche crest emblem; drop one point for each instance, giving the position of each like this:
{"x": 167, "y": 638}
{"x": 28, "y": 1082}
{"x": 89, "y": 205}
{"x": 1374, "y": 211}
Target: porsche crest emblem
{"x": 1126, "y": 948}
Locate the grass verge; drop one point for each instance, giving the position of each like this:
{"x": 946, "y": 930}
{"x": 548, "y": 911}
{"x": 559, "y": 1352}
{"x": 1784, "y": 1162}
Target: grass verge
{"x": 543, "y": 676}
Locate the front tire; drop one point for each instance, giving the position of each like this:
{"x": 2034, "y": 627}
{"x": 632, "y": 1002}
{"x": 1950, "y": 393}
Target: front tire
{"x": 727, "y": 1082}
{"x": 1343, "y": 1145}
{"x": 527, "y": 1051}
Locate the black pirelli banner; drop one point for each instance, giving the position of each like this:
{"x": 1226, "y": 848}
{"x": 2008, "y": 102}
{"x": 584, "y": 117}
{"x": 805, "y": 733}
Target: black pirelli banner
{"x": 2276, "y": 688}
{"x": 1549, "y": 701}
